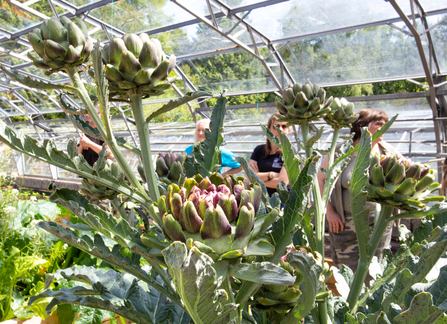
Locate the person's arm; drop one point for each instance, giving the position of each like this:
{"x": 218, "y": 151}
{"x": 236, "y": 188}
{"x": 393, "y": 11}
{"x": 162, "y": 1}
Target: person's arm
{"x": 233, "y": 171}
{"x": 334, "y": 220}
{"x": 86, "y": 143}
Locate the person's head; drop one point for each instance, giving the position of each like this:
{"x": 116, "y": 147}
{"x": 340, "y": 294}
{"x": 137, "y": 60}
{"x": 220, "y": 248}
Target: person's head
{"x": 201, "y": 125}
{"x": 90, "y": 120}
{"x": 272, "y": 122}
{"x": 374, "y": 119}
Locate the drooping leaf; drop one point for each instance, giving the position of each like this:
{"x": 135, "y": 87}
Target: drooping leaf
{"x": 205, "y": 157}
{"x": 291, "y": 162}
{"x": 261, "y": 272}
{"x": 34, "y": 83}
{"x": 315, "y": 137}
{"x": 272, "y": 138}
{"x": 311, "y": 284}
{"x": 196, "y": 283}
{"x": 69, "y": 109}
{"x": 174, "y": 103}
{"x": 85, "y": 127}
{"x": 123, "y": 143}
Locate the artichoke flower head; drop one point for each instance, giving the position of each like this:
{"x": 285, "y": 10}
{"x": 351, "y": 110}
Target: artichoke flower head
{"x": 341, "y": 114}
{"x": 400, "y": 183}
{"x": 169, "y": 167}
{"x": 217, "y": 215}
{"x": 137, "y": 62}
{"x": 302, "y": 103}
{"x": 60, "y": 44}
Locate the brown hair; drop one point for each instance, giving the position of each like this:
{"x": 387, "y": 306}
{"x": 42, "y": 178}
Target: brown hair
{"x": 268, "y": 144}
{"x": 366, "y": 116}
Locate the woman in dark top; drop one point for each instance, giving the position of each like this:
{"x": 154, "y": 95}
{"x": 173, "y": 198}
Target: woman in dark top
{"x": 266, "y": 160}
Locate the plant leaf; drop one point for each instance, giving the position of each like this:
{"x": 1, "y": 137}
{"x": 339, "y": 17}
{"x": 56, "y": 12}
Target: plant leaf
{"x": 196, "y": 283}
{"x": 272, "y": 138}
{"x": 291, "y": 162}
{"x": 69, "y": 109}
{"x": 261, "y": 272}
{"x": 127, "y": 145}
{"x": 205, "y": 157}
{"x": 421, "y": 310}
{"x": 85, "y": 127}
{"x": 34, "y": 83}
{"x": 314, "y": 138}
{"x": 174, "y": 103}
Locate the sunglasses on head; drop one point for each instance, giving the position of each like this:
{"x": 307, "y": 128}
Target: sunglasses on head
{"x": 379, "y": 123}
{"x": 282, "y": 126}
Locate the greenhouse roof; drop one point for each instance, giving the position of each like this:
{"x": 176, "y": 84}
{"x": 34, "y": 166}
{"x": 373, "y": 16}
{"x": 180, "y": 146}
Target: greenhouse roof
{"x": 250, "y": 47}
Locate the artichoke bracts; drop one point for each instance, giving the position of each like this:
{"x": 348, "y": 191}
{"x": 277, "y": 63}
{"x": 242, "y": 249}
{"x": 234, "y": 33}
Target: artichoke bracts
{"x": 303, "y": 103}
{"x": 400, "y": 183}
{"x": 97, "y": 192}
{"x": 137, "y": 62}
{"x": 60, "y": 44}
{"x": 217, "y": 215}
{"x": 169, "y": 167}
{"x": 341, "y": 114}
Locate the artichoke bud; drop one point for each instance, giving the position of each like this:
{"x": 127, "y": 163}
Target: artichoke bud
{"x": 375, "y": 159}
{"x": 245, "y": 222}
{"x": 189, "y": 218}
{"x": 160, "y": 73}
{"x": 396, "y": 174}
{"x": 173, "y": 229}
{"x": 301, "y": 100}
{"x": 315, "y": 105}
{"x": 297, "y": 88}
{"x": 175, "y": 172}
{"x": 406, "y": 188}
{"x": 116, "y": 48}
{"x": 75, "y": 37}
{"x": 37, "y": 43}
{"x": 142, "y": 77}
{"x": 161, "y": 167}
{"x": 53, "y": 50}
{"x": 169, "y": 159}
{"x": 176, "y": 205}
{"x": 162, "y": 209}
{"x": 54, "y": 30}
{"x": 322, "y": 95}
{"x": 414, "y": 172}
{"x": 129, "y": 65}
{"x": 387, "y": 163}
{"x": 140, "y": 170}
{"x": 229, "y": 206}
{"x": 349, "y": 109}
{"x": 149, "y": 57}
{"x": 112, "y": 73}
{"x": 215, "y": 224}
{"x": 335, "y": 105}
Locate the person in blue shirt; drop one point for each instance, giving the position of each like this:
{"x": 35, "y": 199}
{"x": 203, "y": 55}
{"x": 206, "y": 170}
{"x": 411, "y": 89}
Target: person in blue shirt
{"x": 227, "y": 156}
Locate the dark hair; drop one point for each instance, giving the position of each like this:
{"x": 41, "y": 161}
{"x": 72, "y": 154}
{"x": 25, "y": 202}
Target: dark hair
{"x": 366, "y": 116}
{"x": 268, "y": 144}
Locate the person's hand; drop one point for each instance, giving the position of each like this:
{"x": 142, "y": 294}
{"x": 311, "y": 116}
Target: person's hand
{"x": 85, "y": 142}
{"x": 335, "y": 222}
{"x": 253, "y": 165}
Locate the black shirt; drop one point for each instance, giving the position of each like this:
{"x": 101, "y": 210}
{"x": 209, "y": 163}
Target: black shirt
{"x": 273, "y": 162}
{"x": 89, "y": 155}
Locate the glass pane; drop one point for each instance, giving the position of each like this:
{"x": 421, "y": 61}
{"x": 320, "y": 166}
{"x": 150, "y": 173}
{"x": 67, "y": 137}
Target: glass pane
{"x": 300, "y": 17}
{"x": 374, "y": 53}
{"x": 439, "y": 38}
{"x": 40, "y": 102}
{"x": 36, "y": 167}
{"x": 429, "y": 5}
{"x": 14, "y": 19}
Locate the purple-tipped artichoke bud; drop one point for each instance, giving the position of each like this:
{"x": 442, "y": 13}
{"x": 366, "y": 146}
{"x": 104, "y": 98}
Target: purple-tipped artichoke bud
{"x": 175, "y": 171}
{"x": 173, "y": 228}
{"x": 202, "y": 204}
{"x": 413, "y": 172}
{"x": 375, "y": 159}
{"x": 215, "y": 224}
{"x": 224, "y": 189}
{"x": 169, "y": 159}
{"x": 246, "y": 198}
{"x": 182, "y": 193}
{"x": 237, "y": 191}
{"x": 211, "y": 188}
{"x": 190, "y": 219}
{"x": 245, "y": 222}
{"x": 396, "y": 174}
{"x": 176, "y": 205}
{"x": 229, "y": 206}
{"x": 387, "y": 163}
{"x": 161, "y": 168}
{"x": 133, "y": 43}
{"x": 425, "y": 169}
{"x": 172, "y": 189}
{"x": 257, "y": 195}
{"x": 228, "y": 181}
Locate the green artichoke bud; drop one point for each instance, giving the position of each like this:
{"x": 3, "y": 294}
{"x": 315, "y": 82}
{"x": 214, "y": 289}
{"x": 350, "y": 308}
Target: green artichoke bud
{"x": 400, "y": 183}
{"x": 341, "y": 114}
{"x": 169, "y": 167}
{"x": 60, "y": 44}
{"x": 218, "y": 219}
{"x": 97, "y": 192}
{"x": 303, "y": 103}
{"x": 137, "y": 62}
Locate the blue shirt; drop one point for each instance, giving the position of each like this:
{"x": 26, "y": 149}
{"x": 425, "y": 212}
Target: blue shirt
{"x": 227, "y": 158}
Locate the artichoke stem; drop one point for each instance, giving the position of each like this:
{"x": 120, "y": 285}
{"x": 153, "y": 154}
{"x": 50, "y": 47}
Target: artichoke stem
{"x": 305, "y": 130}
{"x": 136, "y": 103}
{"x": 84, "y": 96}
{"x": 332, "y": 150}
{"x": 119, "y": 206}
{"x": 247, "y": 290}
{"x": 235, "y": 314}
{"x": 365, "y": 260}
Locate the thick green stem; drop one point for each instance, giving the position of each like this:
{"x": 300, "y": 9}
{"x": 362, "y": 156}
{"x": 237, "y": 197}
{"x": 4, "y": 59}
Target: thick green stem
{"x": 236, "y": 315}
{"x": 88, "y": 104}
{"x": 136, "y": 103}
{"x": 365, "y": 260}
{"x": 305, "y": 130}
{"x": 332, "y": 149}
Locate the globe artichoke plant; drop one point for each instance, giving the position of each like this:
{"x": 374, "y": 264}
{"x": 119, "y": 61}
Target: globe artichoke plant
{"x": 341, "y": 114}
{"x": 400, "y": 183}
{"x": 217, "y": 215}
{"x": 169, "y": 167}
{"x": 60, "y": 44}
{"x": 137, "y": 62}
{"x": 303, "y": 103}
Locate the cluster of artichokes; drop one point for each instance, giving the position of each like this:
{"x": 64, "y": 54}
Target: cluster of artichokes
{"x": 400, "y": 183}
{"x": 137, "y": 62}
{"x": 341, "y": 114}
{"x": 303, "y": 103}
{"x": 60, "y": 44}
{"x": 169, "y": 167}
{"x": 217, "y": 215}
{"x": 97, "y": 192}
